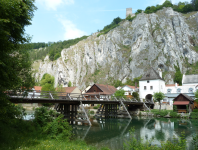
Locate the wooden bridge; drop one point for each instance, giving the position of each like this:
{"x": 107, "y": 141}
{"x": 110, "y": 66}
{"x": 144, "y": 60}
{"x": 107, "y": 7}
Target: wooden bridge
{"x": 71, "y": 105}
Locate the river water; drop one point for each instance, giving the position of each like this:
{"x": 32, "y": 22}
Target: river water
{"x": 113, "y": 133}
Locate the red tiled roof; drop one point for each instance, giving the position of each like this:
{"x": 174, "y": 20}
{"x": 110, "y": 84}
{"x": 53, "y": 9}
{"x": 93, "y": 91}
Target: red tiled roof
{"x": 181, "y": 103}
{"x": 67, "y": 89}
{"x": 107, "y": 89}
{"x": 133, "y": 87}
{"x": 167, "y": 85}
{"x": 37, "y": 88}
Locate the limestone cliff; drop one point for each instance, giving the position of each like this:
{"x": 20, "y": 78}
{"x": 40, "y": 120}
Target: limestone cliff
{"x": 161, "y": 39}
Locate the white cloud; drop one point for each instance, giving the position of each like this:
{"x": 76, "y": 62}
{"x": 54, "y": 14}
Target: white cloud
{"x": 71, "y": 31}
{"x": 53, "y": 4}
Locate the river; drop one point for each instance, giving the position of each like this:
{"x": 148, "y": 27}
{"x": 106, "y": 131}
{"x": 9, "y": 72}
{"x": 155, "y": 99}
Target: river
{"x": 113, "y": 133}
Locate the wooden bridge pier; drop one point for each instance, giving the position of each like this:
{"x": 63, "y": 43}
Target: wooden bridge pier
{"x": 107, "y": 111}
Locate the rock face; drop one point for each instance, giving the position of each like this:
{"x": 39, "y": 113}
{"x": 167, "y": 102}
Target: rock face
{"x": 162, "y": 40}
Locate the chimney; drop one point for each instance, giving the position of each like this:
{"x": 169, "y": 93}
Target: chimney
{"x": 160, "y": 72}
{"x": 175, "y": 84}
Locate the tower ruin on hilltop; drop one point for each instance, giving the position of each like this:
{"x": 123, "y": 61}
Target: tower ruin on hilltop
{"x": 129, "y": 12}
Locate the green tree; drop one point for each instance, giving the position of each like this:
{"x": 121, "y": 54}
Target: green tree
{"x": 178, "y": 76}
{"x": 69, "y": 84}
{"x": 15, "y": 67}
{"x": 120, "y": 94}
{"x": 167, "y": 3}
{"x": 196, "y": 96}
{"x": 158, "y": 96}
{"x": 136, "y": 96}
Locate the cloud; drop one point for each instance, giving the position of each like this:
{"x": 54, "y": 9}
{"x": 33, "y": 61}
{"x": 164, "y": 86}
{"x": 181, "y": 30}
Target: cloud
{"x": 53, "y": 4}
{"x": 71, "y": 31}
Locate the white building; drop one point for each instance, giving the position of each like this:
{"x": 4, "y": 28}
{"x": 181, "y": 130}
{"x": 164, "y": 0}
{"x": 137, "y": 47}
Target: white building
{"x": 128, "y": 89}
{"x": 150, "y": 83}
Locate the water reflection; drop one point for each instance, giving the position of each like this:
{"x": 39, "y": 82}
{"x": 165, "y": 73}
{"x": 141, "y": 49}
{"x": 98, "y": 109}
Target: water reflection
{"x": 113, "y": 132}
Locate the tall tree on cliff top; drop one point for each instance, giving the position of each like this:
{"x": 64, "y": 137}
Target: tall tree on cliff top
{"x": 15, "y": 67}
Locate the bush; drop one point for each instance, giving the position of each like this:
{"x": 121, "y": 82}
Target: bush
{"x": 58, "y": 129}
{"x": 194, "y": 115}
{"x": 174, "y": 115}
{"x": 195, "y": 110}
{"x": 161, "y": 113}
{"x": 92, "y": 112}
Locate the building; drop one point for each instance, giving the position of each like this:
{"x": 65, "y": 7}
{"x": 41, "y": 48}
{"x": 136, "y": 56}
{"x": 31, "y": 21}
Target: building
{"x": 100, "y": 91}
{"x": 183, "y": 103}
{"x": 129, "y": 90}
{"x": 73, "y": 92}
{"x": 150, "y": 83}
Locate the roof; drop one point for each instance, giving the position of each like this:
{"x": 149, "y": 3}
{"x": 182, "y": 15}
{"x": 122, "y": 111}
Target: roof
{"x": 68, "y": 89}
{"x": 37, "y": 88}
{"x": 150, "y": 74}
{"x": 107, "y": 89}
{"x": 186, "y": 96}
{"x": 132, "y": 87}
{"x": 181, "y": 103}
{"x": 190, "y": 79}
{"x": 168, "y": 85}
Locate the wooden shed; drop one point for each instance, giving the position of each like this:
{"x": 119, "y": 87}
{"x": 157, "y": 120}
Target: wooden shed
{"x": 183, "y": 103}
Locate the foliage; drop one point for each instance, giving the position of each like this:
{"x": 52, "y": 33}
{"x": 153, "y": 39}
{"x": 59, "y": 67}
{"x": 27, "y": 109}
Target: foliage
{"x": 69, "y": 84}
{"x": 111, "y": 26}
{"x": 15, "y": 66}
{"x": 91, "y": 112}
{"x": 96, "y": 107}
{"x": 135, "y": 144}
{"x": 138, "y": 11}
{"x": 195, "y": 141}
{"x": 195, "y": 110}
{"x": 162, "y": 113}
{"x": 43, "y": 115}
{"x": 174, "y": 115}
{"x": 117, "y": 83}
{"x": 129, "y": 18}
{"x": 119, "y": 94}
{"x": 187, "y": 108}
{"x": 158, "y": 96}
{"x": 174, "y": 108}
{"x": 194, "y": 115}
{"x": 136, "y": 96}
{"x": 132, "y": 82}
{"x": 178, "y": 76}
{"x": 196, "y": 96}
{"x": 58, "y": 129}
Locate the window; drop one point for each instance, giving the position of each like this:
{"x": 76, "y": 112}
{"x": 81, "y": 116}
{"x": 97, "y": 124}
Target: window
{"x": 151, "y": 87}
{"x": 169, "y": 90}
{"x": 148, "y": 75}
{"x": 144, "y": 87}
{"x": 178, "y": 90}
{"x": 147, "y": 81}
{"x": 190, "y": 90}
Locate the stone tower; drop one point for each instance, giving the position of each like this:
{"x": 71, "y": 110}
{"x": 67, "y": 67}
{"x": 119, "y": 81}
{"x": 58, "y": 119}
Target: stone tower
{"x": 129, "y": 12}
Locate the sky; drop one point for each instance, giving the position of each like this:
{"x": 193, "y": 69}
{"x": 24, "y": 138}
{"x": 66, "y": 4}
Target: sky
{"x": 59, "y": 20}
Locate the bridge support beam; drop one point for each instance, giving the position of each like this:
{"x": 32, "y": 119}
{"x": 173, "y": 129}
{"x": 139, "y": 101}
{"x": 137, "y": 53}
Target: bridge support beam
{"x": 107, "y": 111}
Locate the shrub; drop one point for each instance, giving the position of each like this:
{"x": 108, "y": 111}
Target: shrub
{"x": 195, "y": 110}
{"x": 161, "y": 113}
{"x": 58, "y": 129}
{"x": 194, "y": 115}
{"x": 92, "y": 112}
{"x": 174, "y": 114}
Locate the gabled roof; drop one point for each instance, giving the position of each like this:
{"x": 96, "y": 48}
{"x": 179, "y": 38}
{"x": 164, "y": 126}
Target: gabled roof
{"x": 190, "y": 79}
{"x": 67, "y": 89}
{"x": 106, "y": 89}
{"x": 186, "y": 96}
{"x": 150, "y": 74}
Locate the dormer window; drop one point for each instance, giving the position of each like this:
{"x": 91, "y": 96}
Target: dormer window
{"x": 190, "y": 90}
{"x": 169, "y": 90}
{"x": 178, "y": 90}
{"x": 148, "y": 75}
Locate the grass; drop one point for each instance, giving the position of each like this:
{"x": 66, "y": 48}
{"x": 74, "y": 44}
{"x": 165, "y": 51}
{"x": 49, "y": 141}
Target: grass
{"x": 26, "y": 136}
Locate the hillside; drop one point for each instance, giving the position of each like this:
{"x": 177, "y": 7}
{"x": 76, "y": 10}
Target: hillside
{"x": 164, "y": 39}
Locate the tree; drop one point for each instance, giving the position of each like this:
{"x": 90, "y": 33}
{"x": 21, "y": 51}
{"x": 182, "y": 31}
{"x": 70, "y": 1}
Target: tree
{"x": 136, "y": 96}
{"x": 69, "y": 84}
{"x": 15, "y": 67}
{"x": 120, "y": 94}
{"x": 196, "y": 96}
{"x": 195, "y": 4}
{"x": 167, "y": 3}
{"x": 158, "y": 96}
{"x": 178, "y": 76}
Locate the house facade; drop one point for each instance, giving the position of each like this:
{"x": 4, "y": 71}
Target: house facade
{"x": 129, "y": 90}
{"x": 150, "y": 83}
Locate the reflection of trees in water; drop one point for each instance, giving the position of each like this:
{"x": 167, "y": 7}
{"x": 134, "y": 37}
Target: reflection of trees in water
{"x": 113, "y": 132}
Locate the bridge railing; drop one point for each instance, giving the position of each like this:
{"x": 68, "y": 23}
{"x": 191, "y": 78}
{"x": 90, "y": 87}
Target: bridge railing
{"x": 32, "y": 94}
